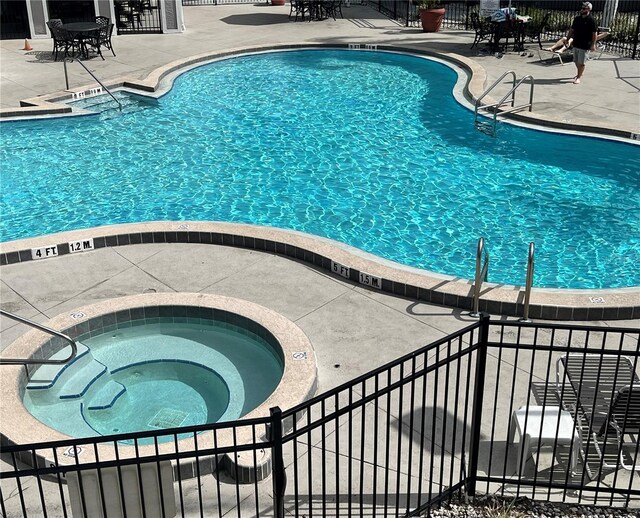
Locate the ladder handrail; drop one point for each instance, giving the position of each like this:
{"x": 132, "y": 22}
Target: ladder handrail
{"x": 529, "y": 284}
{"x": 482, "y": 273}
{"x": 511, "y": 93}
{"x": 496, "y": 82}
{"x": 21, "y": 361}
{"x": 66, "y": 77}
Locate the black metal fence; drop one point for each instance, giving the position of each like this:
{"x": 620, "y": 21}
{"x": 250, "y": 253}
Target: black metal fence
{"x": 138, "y": 16}
{"x": 624, "y": 26}
{"x": 446, "y": 419}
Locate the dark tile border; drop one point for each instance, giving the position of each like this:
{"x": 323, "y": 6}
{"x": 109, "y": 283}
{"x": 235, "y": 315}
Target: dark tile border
{"x": 432, "y": 296}
{"x": 139, "y": 316}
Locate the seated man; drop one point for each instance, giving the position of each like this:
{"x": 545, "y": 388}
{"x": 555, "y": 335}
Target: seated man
{"x": 565, "y": 43}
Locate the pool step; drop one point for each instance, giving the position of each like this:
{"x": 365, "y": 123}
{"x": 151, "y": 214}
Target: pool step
{"x": 107, "y": 107}
{"x": 78, "y": 385}
{"x": 48, "y": 375}
{"x": 106, "y": 396}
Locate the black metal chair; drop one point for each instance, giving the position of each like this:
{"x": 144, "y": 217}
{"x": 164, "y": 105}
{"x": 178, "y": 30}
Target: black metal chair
{"x": 102, "y": 20}
{"x": 63, "y": 41}
{"x": 483, "y": 29}
{"x": 332, "y": 8}
{"x": 103, "y": 39}
{"x": 299, "y": 8}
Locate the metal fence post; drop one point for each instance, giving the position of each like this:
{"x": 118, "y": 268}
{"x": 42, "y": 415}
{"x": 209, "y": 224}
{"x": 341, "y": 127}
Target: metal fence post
{"x": 478, "y": 396}
{"x": 279, "y": 477}
{"x": 634, "y": 52}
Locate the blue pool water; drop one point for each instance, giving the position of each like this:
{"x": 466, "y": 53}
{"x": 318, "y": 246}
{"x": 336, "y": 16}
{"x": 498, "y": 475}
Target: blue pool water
{"x": 157, "y": 376}
{"x": 366, "y": 148}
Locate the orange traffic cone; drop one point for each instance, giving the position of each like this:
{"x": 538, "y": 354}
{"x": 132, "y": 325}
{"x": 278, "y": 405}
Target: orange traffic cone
{"x": 26, "y": 45}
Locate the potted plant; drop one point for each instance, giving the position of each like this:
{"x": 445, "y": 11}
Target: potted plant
{"x": 431, "y": 14}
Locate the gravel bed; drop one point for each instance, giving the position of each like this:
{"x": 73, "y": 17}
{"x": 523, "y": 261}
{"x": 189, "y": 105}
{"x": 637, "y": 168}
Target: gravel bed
{"x": 491, "y": 506}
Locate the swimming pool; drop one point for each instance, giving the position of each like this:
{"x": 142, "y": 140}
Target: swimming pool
{"x": 370, "y": 149}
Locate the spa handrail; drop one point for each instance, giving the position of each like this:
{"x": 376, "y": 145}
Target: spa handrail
{"x": 482, "y": 270}
{"x": 21, "y": 361}
{"x": 529, "y": 285}
{"x": 66, "y": 78}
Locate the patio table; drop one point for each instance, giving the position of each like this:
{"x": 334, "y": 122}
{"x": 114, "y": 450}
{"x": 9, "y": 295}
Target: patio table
{"x": 82, "y": 32}
{"x": 513, "y": 27}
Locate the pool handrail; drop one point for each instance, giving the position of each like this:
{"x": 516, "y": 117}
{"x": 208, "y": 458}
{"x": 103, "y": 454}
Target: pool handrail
{"x": 482, "y": 273}
{"x": 28, "y": 361}
{"x": 529, "y": 285}
{"x": 508, "y": 98}
{"x": 66, "y": 78}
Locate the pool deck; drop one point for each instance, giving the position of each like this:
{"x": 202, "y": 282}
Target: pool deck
{"x": 353, "y": 328}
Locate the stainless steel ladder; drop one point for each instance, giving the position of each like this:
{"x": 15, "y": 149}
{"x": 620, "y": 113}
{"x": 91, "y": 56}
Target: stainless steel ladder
{"x": 482, "y": 274}
{"x": 29, "y": 361}
{"x": 496, "y": 108}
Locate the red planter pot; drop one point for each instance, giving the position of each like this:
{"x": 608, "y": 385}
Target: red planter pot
{"x": 431, "y": 19}
{"x": 277, "y": 2}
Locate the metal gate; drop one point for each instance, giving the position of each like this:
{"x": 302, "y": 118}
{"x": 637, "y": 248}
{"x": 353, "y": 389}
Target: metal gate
{"x": 138, "y": 16}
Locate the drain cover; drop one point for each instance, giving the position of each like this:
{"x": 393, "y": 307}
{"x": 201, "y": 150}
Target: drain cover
{"x": 168, "y": 418}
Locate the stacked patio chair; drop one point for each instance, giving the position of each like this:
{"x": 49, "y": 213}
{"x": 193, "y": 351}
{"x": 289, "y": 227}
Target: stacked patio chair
{"x": 602, "y": 392}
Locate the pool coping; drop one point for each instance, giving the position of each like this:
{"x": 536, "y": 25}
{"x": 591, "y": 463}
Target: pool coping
{"x": 344, "y": 261}
{"x": 298, "y": 383}
{"x": 53, "y": 104}
{"x": 551, "y": 304}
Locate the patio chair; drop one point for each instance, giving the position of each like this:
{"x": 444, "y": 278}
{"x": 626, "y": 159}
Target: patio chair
{"x": 603, "y": 32}
{"x": 102, "y": 21}
{"x": 622, "y": 421}
{"x": 602, "y": 392}
{"x": 62, "y": 39}
{"x": 332, "y": 8}
{"x": 299, "y": 8}
{"x": 564, "y": 56}
{"x": 483, "y": 29}
{"x": 103, "y": 39}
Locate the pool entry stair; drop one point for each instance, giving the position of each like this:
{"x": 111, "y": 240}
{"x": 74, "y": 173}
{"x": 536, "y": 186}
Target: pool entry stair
{"x": 77, "y": 60}
{"x": 107, "y": 395}
{"x": 64, "y": 381}
{"x": 489, "y": 127}
{"x": 86, "y": 389}
{"x": 108, "y": 108}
